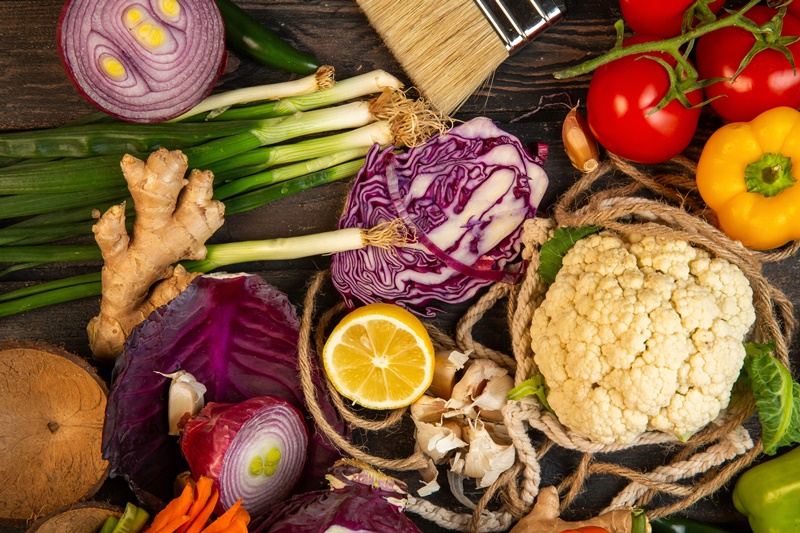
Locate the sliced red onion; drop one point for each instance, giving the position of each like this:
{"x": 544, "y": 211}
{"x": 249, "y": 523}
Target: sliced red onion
{"x": 142, "y": 61}
{"x": 254, "y": 450}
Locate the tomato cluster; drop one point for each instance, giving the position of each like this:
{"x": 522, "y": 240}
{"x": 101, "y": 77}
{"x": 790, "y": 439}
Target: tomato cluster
{"x": 624, "y": 93}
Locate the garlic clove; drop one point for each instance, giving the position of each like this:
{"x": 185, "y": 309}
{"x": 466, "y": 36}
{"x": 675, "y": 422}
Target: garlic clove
{"x": 186, "y": 399}
{"x": 428, "y": 409}
{"x": 436, "y": 441}
{"x": 492, "y": 416}
{"x": 579, "y": 142}
{"x": 455, "y": 428}
{"x": 472, "y": 384}
{"x": 494, "y": 395}
{"x": 485, "y": 459}
{"x": 448, "y": 362}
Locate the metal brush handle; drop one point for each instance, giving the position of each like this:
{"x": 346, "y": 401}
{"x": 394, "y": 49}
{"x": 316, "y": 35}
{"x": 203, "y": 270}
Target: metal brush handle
{"x": 519, "y": 21}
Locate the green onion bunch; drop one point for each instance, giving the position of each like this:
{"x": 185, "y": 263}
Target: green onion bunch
{"x": 262, "y": 144}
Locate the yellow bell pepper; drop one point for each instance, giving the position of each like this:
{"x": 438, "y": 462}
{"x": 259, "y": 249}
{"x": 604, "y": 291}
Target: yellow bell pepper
{"x": 747, "y": 174}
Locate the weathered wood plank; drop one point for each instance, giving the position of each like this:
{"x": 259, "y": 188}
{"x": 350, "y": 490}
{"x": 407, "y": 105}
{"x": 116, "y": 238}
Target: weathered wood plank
{"x": 36, "y": 93}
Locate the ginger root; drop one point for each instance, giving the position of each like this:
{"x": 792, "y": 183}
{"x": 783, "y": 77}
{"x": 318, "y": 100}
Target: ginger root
{"x": 544, "y": 518}
{"x": 174, "y": 218}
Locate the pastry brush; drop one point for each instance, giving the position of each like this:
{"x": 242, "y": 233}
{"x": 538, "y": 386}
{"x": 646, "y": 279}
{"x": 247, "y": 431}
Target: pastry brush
{"x": 449, "y": 47}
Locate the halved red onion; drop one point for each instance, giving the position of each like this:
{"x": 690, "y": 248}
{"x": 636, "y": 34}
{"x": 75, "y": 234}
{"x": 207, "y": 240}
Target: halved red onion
{"x": 254, "y": 450}
{"x": 142, "y": 60}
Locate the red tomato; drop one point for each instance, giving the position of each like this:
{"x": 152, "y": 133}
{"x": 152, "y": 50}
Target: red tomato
{"x": 661, "y": 18}
{"x": 586, "y": 529}
{"x": 621, "y": 94}
{"x": 767, "y": 82}
{"x": 794, "y": 8}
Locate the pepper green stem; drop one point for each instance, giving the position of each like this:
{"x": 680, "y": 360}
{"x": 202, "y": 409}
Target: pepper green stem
{"x": 769, "y": 175}
{"x": 671, "y": 46}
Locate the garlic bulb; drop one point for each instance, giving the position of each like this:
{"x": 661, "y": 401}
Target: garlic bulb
{"x": 462, "y": 424}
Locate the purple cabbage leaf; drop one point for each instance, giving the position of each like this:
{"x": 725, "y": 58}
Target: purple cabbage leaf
{"x": 465, "y": 194}
{"x": 238, "y": 336}
{"x": 360, "y": 499}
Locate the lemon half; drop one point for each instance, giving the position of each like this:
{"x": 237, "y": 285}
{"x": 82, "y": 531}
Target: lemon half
{"x": 379, "y": 356}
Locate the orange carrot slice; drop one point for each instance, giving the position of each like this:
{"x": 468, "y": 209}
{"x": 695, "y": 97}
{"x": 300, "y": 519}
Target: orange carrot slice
{"x": 242, "y": 516}
{"x": 237, "y": 526}
{"x": 173, "y": 524}
{"x": 225, "y": 519}
{"x": 202, "y": 517}
{"x": 202, "y": 494}
{"x": 174, "y": 509}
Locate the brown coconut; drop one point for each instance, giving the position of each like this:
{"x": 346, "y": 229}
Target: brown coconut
{"x": 87, "y": 517}
{"x": 51, "y": 425}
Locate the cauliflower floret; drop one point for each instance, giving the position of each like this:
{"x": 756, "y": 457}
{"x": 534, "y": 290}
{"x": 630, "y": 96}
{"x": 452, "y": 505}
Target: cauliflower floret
{"x": 641, "y": 333}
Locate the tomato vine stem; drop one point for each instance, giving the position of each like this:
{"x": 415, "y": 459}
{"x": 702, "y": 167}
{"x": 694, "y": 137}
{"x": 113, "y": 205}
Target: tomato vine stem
{"x": 672, "y": 45}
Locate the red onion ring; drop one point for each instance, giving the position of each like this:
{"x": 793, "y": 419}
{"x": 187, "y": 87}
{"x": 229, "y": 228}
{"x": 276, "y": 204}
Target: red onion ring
{"x": 142, "y": 60}
{"x": 254, "y": 450}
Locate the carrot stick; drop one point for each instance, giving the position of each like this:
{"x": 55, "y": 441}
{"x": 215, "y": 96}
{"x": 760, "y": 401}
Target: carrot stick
{"x": 237, "y": 526}
{"x": 225, "y": 519}
{"x": 202, "y": 517}
{"x": 177, "y": 507}
{"x": 242, "y": 516}
{"x": 173, "y": 524}
{"x": 202, "y": 494}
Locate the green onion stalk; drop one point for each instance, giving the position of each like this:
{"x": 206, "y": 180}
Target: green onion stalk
{"x": 386, "y": 235}
{"x": 90, "y": 174}
{"x": 216, "y": 103}
{"x": 341, "y": 91}
{"x": 58, "y": 199}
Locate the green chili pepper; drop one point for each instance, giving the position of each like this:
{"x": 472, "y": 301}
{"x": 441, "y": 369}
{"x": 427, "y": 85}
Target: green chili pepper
{"x": 769, "y": 494}
{"x": 247, "y": 36}
{"x": 679, "y": 524}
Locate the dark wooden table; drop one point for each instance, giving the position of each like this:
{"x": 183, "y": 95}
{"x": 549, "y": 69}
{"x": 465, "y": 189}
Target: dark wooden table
{"x": 523, "y": 97}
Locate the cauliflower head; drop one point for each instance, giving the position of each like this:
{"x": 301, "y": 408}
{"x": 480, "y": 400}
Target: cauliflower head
{"x": 641, "y": 333}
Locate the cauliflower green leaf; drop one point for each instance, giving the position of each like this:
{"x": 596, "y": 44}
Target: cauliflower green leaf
{"x": 533, "y": 386}
{"x": 554, "y": 249}
{"x": 777, "y": 397}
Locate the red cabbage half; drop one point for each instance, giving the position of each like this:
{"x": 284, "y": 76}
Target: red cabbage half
{"x": 465, "y": 193}
{"x": 238, "y": 336}
{"x": 359, "y": 500}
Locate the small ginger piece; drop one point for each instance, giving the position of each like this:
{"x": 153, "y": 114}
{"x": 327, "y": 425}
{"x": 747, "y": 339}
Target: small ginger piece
{"x": 174, "y": 218}
{"x": 544, "y": 518}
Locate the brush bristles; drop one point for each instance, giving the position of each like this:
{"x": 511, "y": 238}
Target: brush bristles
{"x": 446, "y": 47}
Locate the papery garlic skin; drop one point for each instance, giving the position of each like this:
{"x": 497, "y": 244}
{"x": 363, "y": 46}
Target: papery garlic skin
{"x": 428, "y": 409}
{"x": 479, "y": 380}
{"x": 186, "y": 397}
{"x": 437, "y": 441}
{"x": 485, "y": 458}
{"x": 466, "y": 429}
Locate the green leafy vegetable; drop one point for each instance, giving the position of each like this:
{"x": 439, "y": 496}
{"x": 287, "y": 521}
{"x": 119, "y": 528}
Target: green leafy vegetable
{"x": 533, "y": 386}
{"x": 777, "y": 396}
{"x": 557, "y": 246}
